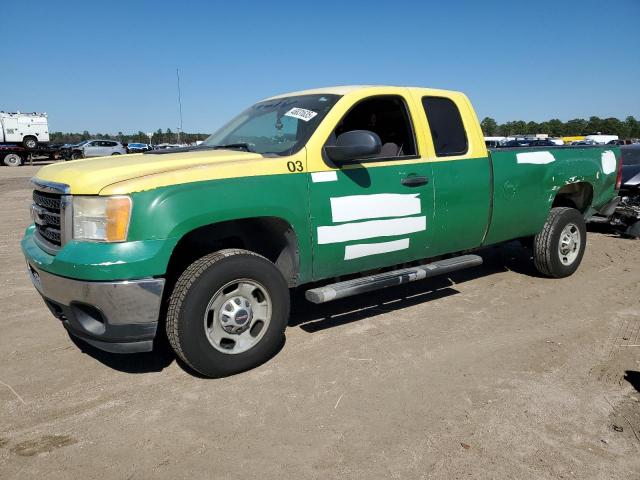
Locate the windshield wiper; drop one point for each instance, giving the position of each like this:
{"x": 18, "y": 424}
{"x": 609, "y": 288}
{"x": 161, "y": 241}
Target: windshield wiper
{"x": 231, "y": 146}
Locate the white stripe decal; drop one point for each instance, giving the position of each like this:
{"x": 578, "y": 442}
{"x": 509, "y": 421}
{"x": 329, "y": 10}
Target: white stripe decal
{"x": 370, "y": 229}
{"x": 537, "y": 158}
{"x": 366, "y": 249}
{"x": 318, "y": 177}
{"x": 360, "y": 207}
{"x": 608, "y": 162}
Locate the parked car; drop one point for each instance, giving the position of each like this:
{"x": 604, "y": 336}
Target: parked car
{"x": 625, "y": 217}
{"x": 601, "y": 139}
{"x": 98, "y": 148}
{"x": 164, "y": 146}
{"x": 621, "y": 142}
{"x": 298, "y": 190}
{"x": 518, "y": 142}
{"x": 543, "y": 142}
{"x": 138, "y": 147}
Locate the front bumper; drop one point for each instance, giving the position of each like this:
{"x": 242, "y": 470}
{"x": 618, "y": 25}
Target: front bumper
{"x": 118, "y": 316}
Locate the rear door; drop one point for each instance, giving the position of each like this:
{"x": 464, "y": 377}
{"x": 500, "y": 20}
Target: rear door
{"x": 461, "y": 173}
{"x": 373, "y": 213}
{"x": 93, "y": 149}
{"x": 110, "y": 148}
{"x": 11, "y": 129}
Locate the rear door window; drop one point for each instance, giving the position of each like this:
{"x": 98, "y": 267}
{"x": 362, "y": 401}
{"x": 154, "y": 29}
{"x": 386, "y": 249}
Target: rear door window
{"x": 447, "y": 130}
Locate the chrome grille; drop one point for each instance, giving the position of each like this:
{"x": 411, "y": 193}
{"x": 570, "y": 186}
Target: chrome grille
{"x": 46, "y": 215}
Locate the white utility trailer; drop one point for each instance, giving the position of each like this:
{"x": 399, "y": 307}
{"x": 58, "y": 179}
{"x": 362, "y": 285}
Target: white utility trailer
{"x": 28, "y": 129}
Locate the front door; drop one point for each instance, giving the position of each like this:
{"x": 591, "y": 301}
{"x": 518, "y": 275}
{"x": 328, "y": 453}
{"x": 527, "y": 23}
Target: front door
{"x": 377, "y": 212}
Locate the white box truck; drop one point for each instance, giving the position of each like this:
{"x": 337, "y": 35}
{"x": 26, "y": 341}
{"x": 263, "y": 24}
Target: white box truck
{"x": 28, "y": 129}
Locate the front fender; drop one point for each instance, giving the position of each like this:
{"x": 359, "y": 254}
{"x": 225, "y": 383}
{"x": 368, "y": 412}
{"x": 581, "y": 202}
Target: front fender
{"x": 172, "y": 212}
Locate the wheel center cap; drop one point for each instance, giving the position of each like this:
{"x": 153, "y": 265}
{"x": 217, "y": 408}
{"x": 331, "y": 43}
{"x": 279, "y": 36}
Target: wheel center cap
{"x": 241, "y": 317}
{"x": 235, "y": 315}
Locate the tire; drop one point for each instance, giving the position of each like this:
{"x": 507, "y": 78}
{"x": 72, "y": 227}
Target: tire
{"x": 76, "y": 155}
{"x": 30, "y": 142}
{"x": 558, "y": 249}
{"x": 12, "y": 160}
{"x": 115, "y": 153}
{"x": 201, "y": 299}
{"x": 633, "y": 230}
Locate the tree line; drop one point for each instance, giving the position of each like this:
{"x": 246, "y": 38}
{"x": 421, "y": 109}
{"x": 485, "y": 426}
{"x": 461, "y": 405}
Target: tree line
{"x": 159, "y": 136}
{"x": 627, "y": 128}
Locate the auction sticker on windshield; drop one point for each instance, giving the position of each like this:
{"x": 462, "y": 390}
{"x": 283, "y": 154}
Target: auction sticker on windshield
{"x": 301, "y": 114}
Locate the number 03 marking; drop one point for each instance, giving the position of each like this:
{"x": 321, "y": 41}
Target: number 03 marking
{"x": 295, "y": 166}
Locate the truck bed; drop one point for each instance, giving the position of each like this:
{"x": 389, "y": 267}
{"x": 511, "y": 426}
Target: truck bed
{"x": 527, "y": 179}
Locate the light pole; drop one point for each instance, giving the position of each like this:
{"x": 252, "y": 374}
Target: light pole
{"x": 179, "y": 103}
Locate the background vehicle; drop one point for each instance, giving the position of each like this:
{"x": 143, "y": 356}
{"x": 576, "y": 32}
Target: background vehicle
{"x": 626, "y": 216}
{"x": 493, "y": 142}
{"x": 17, "y": 155}
{"x": 97, "y": 148}
{"x": 28, "y": 129}
{"x": 543, "y": 142}
{"x": 138, "y": 147}
{"x": 361, "y": 183}
{"x": 164, "y": 146}
{"x": 601, "y": 139}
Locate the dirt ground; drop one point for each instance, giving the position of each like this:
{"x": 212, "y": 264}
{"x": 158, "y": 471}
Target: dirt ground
{"x": 490, "y": 373}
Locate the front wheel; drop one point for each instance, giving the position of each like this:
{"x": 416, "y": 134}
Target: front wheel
{"x": 228, "y": 312}
{"x": 12, "y": 160}
{"x": 559, "y": 247}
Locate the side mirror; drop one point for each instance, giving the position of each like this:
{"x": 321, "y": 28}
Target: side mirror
{"x": 353, "y": 145}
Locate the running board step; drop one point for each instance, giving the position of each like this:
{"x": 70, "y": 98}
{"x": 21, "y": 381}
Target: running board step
{"x": 390, "y": 279}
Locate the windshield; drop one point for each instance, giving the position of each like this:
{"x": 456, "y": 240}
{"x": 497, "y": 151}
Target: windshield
{"x": 280, "y": 126}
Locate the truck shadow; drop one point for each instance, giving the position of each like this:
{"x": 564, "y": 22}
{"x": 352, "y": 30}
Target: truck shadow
{"x": 313, "y": 318}
{"x": 161, "y": 357}
{"x": 633, "y": 378}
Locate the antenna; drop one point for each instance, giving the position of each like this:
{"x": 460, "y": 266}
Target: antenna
{"x": 179, "y": 103}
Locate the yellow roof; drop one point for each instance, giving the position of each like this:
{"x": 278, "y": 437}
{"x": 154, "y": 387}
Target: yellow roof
{"x": 346, "y": 89}
{"x": 338, "y": 90}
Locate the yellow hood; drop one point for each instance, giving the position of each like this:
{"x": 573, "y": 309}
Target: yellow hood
{"x": 136, "y": 172}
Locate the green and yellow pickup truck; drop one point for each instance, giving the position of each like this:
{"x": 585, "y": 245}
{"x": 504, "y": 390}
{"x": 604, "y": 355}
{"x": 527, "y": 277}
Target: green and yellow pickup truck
{"x": 362, "y": 182}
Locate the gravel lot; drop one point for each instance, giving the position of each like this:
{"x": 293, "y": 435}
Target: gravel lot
{"x": 491, "y": 373}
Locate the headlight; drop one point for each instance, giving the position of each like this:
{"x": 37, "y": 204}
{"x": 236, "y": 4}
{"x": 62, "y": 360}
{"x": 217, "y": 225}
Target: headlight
{"x": 101, "y": 219}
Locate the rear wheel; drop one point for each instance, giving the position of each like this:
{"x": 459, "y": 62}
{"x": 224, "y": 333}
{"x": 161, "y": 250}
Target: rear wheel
{"x": 228, "y": 312}
{"x": 12, "y": 160}
{"x": 558, "y": 249}
{"x": 115, "y": 153}
{"x": 30, "y": 142}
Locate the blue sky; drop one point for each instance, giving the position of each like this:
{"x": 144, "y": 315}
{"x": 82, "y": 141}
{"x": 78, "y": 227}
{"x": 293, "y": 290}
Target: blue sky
{"x": 111, "y": 66}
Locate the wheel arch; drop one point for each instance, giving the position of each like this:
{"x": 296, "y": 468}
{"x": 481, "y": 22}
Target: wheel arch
{"x": 272, "y": 237}
{"x": 578, "y": 195}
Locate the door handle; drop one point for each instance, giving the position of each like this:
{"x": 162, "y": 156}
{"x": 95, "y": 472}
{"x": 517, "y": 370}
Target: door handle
{"x": 414, "y": 181}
